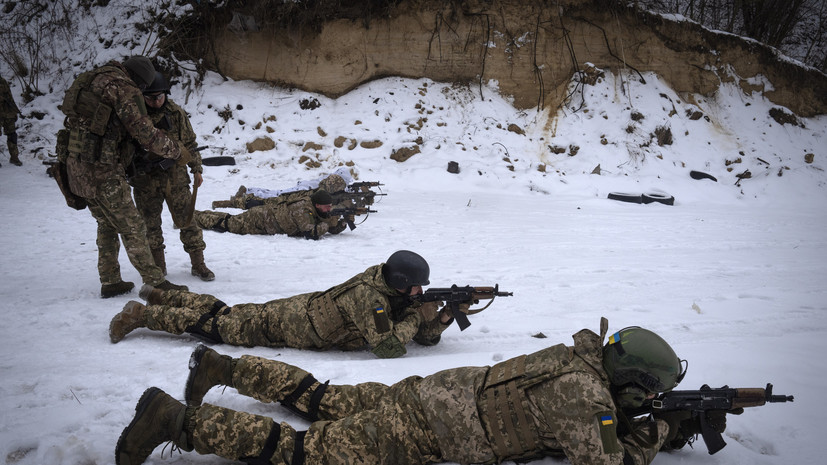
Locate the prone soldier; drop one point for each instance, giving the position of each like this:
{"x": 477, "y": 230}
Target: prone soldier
{"x": 560, "y": 401}
{"x": 300, "y": 214}
{"x": 373, "y": 309}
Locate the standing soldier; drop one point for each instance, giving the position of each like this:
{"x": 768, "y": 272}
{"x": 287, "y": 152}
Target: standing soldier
{"x": 8, "y": 117}
{"x": 105, "y": 117}
{"x": 299, "y": 214}
{"x": 560, "y": 401}
{"x": 152, "y": 184}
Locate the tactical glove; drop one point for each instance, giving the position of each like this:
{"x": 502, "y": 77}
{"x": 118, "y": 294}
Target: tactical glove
{"x": 428, "y": 310}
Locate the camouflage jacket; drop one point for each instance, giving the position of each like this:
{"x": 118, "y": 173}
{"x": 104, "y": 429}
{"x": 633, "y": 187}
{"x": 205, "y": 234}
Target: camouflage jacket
{"x": 109, "y": 112}
{"x": 173, "y": 120}
{"x": 297, "y": 216}
{"x": 8, "y": 109}
{"x": 365, "y": 312}
{"x": 554, "y": 402}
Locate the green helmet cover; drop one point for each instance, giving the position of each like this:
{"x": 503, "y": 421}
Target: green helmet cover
{"x": 639, "y": 357}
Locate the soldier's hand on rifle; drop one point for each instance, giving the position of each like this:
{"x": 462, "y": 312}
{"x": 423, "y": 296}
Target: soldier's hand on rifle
{"x": 684, "y": 424}
{"x": 197, "y": 179}
{"x": 428, "y": 310}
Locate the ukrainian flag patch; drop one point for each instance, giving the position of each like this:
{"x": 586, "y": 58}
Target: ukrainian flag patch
{"x": 608, "y": 432}
{"x": 380, "y": 318}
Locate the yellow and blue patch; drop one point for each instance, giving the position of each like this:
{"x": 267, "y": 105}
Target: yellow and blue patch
{"x": 608, "y": 432}
{"x": 614, "y": 338}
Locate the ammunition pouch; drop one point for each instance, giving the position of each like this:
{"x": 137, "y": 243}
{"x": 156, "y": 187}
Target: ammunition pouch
{"x": 326, "y": 318}
{"x": 62, "y": 179}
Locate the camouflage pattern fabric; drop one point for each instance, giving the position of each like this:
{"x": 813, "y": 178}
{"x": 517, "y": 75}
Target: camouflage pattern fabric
{"x": 99, "y": 175}
{"x": 8, "y": 109}
{"x": 129, "y": 119}
{"x": 296, "y": 218}
{"x": 568, "y": 409}
{"x": 152, "y": 188}
{"x": 348, "y": 320}
{"x": 244, "y": 439}
{"x": 116, "y": 215}
{"x": 8, "y": 117}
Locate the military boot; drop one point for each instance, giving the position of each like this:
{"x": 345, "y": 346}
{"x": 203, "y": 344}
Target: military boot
{"x": 222, "y": 204}
{"x": 158, "y": 418}
{"x": 208, "y": 368}
{"x": 112, "y": 290}
{"x": 199, "y": 268}
{"x": 13, "y": 152}
{"x": 160, "y": 259}
{"x": 151, "y": 295}
{"x": 168, "y": 286}
{"x": 129, "y": 319}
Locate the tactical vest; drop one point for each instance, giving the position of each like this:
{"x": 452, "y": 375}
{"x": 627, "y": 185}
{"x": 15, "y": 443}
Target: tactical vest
{"x": 325, "y": 315}
{"x": 99, "y": 139}
{"x": 503, "y": 403}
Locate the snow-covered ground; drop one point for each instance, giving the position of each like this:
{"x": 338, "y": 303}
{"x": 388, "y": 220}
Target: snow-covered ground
{"x": 733, "y": 276}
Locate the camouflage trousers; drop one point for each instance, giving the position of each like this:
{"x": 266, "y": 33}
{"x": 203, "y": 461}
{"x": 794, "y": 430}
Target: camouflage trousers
{"x": 257, "y": 220}
{"x": 277, "y": 323}
{"x": 150, "y": 192}
{"x": 116, "y": 214}
{"x": 8, "y": 128}
{"x": 367, "y": 423}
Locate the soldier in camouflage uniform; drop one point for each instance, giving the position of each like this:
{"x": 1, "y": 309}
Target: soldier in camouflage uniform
{"x": 560, "y": 401}
{"x": 297, "y": 215}
{"x": 8, "y": 118}
{"x": 246, "y": 199}
{"x": 152, "y": 184}
{"x": 371, "y": 310}
{"x": 105, "y": 117}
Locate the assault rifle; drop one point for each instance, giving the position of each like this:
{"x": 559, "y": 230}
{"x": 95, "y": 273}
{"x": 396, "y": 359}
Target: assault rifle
{"x": 705, "y": 399}
{"x": 358, "y": 199}
{"x": 349, "y": 212}
{"x": 456, "y": 295}
{"x": 357, "y": 186}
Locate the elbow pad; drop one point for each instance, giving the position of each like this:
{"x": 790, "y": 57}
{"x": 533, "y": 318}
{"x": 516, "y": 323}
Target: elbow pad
{"x": 390, "y": 347}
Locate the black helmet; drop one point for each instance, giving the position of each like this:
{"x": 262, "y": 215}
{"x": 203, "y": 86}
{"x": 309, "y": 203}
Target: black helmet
{"x": 140, "y": 70}
{"x": 158, "y": 85}
{"x": 641, "y": 359}
{"x": 405, "y": 269}
{"x": 321, "y": 197}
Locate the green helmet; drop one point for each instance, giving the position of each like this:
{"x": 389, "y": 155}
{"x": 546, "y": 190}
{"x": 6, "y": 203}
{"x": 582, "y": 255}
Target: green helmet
{"x": 640, "y": 358}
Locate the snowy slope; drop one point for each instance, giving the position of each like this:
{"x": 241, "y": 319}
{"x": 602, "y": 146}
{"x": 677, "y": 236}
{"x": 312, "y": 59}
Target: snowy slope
{"x": 732, "y": 275}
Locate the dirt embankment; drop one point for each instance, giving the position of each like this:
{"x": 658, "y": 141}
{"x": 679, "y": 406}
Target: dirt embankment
{"x": 531, "y": 47}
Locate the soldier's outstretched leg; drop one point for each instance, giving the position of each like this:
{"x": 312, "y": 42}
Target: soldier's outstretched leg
{"x": 245, "y": 437}
{"x": 216, "y": 221}
{"x": 176, "y": 298}
{"x": 273, "y": 381}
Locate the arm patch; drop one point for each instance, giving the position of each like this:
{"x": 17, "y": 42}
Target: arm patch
{"x": 607, "y": 424}
{"x": 380, "y": 319}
